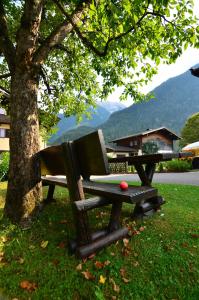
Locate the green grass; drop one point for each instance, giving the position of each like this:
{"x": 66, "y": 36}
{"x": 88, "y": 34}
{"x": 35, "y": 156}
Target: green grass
{"x": 162, "y": 262}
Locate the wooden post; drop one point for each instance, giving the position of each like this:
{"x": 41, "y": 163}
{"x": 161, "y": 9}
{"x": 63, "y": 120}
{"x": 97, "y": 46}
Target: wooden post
{"x": 50, "y": 194}
{"x": 76, "y": 193}
{"x": 114, "y": 222}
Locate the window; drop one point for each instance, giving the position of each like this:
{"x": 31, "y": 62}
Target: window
{"x": 2, "y": 132}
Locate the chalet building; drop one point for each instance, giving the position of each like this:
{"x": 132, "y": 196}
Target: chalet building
{"x": 4, "y": 133}
{"x": 162, "y": 138}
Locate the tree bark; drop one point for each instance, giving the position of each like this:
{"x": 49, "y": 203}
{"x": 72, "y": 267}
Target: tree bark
{"x": 24, "y": 186}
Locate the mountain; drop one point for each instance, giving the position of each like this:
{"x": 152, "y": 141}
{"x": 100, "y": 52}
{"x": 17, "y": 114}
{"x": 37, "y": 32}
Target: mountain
{"x": 112, "y": 106}
{"x": 98, "y": 116}
{"x": 174, "y": 101}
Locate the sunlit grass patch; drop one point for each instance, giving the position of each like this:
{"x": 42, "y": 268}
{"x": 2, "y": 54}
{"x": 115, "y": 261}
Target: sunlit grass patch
{"x": 160, "y": 261}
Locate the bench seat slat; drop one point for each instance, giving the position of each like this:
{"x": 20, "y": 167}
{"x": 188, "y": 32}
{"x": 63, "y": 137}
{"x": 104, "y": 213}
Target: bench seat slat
{"x": 134, "y": 194}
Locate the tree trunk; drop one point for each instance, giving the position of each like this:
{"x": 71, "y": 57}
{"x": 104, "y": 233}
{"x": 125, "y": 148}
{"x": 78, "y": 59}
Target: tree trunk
{"x": 24, "y": 186}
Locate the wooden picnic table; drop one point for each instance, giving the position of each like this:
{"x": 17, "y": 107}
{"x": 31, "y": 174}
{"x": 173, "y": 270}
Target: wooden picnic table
{"x": 145, "y": 165}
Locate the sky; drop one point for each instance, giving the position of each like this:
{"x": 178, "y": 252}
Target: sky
{"x": 188, "y": 59}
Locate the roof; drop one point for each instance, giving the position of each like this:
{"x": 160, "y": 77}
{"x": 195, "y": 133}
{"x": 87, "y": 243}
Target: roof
{"x": 110, "y": 148}
{"x": 4, "y": 119}
{"x": 149, "y": 131}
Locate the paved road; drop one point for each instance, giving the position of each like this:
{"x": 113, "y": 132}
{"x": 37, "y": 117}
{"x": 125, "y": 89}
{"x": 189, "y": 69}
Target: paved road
{"x": 191, "y": 178}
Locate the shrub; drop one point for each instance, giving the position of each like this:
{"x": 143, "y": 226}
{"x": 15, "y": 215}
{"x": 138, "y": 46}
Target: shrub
{"x": 4, "y": 165}
{"x": 178, "y": 165}
{"x": 160, "y": 167}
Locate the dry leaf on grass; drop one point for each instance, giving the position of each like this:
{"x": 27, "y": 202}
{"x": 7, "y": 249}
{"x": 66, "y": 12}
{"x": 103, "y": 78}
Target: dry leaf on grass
{"x": 63, "y": 222}
{"x": 125, "y": 242}
{"x": 123, "y": 275}
{"x": 1, "y": 256}
{"x": 125, "y": 280}
{"x": 27, "y": 285}
{"x": 116, "y": 287}
{"x": 44, "y": 244}
{"x": 91, "y": 256}
{"x": 142, "y": 228}
{"x": 100, "y": 265}
{"x": 195, "y": 236}
{"x": 62, "y": 245}
{"x": 102, "y": 279}
{"x": 136, "y": 264}
{"x": 21, "y": 260}
{"x": 79, "y": 267}
{"x": 88, "y": 275}
{"x": 55, "y": 262}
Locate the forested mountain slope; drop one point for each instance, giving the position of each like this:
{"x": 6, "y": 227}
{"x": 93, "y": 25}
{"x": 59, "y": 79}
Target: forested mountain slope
{"x": 175, "y": 100}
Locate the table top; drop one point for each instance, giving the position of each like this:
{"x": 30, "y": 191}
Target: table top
{"x": 150, "y": 158}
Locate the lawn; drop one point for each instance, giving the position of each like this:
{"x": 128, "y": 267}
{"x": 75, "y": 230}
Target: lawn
{"x": 160, "y": 261}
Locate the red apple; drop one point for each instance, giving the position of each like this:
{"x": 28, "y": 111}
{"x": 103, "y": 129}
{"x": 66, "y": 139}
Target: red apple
{"x": 124, "y": 185}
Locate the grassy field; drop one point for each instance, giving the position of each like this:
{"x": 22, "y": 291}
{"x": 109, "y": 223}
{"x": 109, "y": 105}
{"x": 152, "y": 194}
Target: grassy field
{"x": 160, "y": 261}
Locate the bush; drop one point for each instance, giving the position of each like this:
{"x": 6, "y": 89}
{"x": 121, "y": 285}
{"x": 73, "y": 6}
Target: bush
{"x": 178, "y": 165}
{"x": 4, "y": 165}
{"x": 160, "y": 167}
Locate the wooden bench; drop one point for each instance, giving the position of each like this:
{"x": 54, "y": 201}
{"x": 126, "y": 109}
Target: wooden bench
{"x": 77, "y": 161}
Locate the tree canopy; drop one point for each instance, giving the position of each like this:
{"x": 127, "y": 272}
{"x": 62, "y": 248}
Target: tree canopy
{"x": 87, "y": 48}
{"x": 190, "y": 131}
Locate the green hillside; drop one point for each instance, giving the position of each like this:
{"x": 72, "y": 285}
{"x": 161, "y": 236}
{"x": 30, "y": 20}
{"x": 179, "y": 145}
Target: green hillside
{"x": 67, "y": 126}
{"x": 175, "y": 100}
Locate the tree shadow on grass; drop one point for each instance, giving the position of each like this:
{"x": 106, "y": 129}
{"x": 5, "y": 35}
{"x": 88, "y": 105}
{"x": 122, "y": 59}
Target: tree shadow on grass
{"x": 39, "y": 255}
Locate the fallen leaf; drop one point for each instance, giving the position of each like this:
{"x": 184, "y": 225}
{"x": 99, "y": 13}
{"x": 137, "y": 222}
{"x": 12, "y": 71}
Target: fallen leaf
{"x": 102, "y": 279}
{"x": 55, "y": 262}
{"x": 107, "y": 262}
{"x": 21, "y": 260}
{"x": 126, "y": 251}
{"x": 142, "y": 228}
{"x": 44, "y": 244}
{"x": 4, "y": 239}
{"x": 1, "y": 256}
{"x": 185, "y": 245}
{"x": 88, "y": 275}
{"x": 195, "y": 235}
{"x": 79, "y": 267}
{"x": 99, "y": 265}
{"x": 3, "y": 260}
{"x": 91, "y": 256}
{"x": 125, "y": 280}
{"x": 27, "y": 285}
{"x": 63, "y": 222}
{"x": 62, "y": 245}
{"x": 136, "y": 264}
{"x": 122, "y": 272}
{"x": 31, "y": 247}
{"x": 116, "y": 288}
{"x": 125, "y": 242}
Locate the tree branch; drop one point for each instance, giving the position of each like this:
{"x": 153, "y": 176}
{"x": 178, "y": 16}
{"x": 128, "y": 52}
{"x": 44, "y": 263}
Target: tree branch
{"x": 5, "y": 75}
{"x": 6, "y": 45}
{"x": 87, "y": 42}
{"x": 59, "y": 34}
{"x": 103, "y": 52}
{"x": 5, "y": 92}
{"x": 43, "y": 74}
